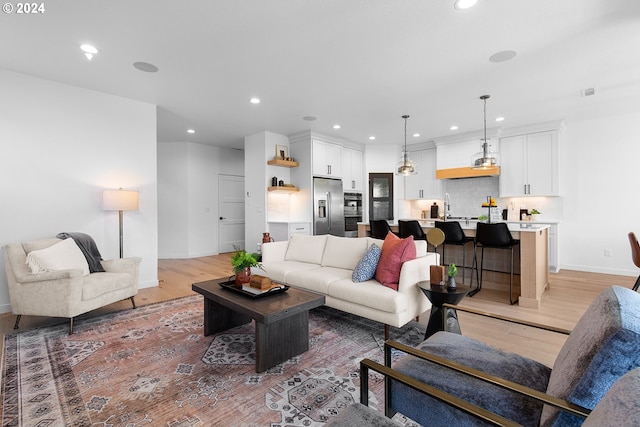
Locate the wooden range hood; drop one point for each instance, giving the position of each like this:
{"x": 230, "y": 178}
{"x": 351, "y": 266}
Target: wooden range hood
{"x": 467, "y": 172}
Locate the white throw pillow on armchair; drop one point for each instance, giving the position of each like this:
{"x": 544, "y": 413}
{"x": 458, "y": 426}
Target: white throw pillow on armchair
{"x": 61, "y": 256}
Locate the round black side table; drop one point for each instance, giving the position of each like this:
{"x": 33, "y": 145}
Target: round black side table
{"x": 439, "y": 295}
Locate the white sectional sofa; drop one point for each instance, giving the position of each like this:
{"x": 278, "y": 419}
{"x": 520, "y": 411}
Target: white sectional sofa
{"x": 324, "y": 264}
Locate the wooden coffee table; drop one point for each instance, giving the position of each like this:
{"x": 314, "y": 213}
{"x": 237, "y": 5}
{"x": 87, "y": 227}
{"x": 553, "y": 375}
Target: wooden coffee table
{"x": 282, "y": 320}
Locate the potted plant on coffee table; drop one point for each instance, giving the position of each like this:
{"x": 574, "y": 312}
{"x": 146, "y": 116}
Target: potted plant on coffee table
{"x": 242, "y": 261}
{"x": 451, "y": 272}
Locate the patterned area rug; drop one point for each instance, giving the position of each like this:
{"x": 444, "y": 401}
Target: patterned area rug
{"x": 153, "y": 367}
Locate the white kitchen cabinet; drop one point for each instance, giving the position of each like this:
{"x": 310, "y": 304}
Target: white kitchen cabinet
{"x": 352, "y": 170}
{"x": 327, "y": 159}
{"x": 529, "y": 165}
{"x": 422, "y": 185}
{"x": 281, "y": 231}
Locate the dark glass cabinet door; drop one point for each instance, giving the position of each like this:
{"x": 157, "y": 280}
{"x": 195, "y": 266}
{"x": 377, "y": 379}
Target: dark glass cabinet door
{"x": 381, "y": 196}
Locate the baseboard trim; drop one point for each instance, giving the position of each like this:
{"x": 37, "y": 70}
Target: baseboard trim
{"x": 148, "y": 284}
{"x": 186, "y": 256}
{"x": 615, "y": 271}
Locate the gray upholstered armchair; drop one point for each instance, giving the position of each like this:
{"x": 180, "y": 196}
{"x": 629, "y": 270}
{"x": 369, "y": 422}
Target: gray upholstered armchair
{"x": 620, "y": 407}
{"x": 604, "y": 345}
{"x": 69, "y": 292}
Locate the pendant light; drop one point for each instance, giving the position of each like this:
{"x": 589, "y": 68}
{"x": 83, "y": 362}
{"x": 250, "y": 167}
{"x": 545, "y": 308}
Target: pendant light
{"x": 406, "y": 166}
{"x": 486, "y": 158}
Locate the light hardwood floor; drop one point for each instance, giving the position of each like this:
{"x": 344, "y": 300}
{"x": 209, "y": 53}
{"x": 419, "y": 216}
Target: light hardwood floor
{"x": 569, "y": 294}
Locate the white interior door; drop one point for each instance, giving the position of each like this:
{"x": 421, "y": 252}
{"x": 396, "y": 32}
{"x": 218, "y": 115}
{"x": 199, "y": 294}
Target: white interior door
{"x": 231, "y": 210}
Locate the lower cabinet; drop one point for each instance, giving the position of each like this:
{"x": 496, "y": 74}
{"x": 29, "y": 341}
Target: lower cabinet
{"x": 281, "y": 231}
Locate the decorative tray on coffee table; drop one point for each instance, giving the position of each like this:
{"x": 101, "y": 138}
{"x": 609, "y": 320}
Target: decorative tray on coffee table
{"x": 254, "y": 292}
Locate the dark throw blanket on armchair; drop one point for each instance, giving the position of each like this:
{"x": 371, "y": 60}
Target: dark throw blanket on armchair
{"x": 88, "y": 248}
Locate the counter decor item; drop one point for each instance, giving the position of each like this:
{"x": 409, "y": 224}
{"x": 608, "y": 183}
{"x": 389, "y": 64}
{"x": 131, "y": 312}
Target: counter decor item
{"x": 242, "y": 261}
{"x": 535, "y": 214}
{"x": 451, "y": 272}
{"x": 494, "y": 214}
{"x": 434, "y": 210}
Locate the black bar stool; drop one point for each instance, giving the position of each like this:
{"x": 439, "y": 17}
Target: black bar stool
{"x": 379, "y": 228}
{"x": 454, "y": 235}
{"x": 492, "y": 236}
{"x": 411, "y": 228}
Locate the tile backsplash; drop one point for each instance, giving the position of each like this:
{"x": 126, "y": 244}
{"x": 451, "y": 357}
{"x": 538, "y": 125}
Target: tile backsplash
{"x": 467, "y": 195}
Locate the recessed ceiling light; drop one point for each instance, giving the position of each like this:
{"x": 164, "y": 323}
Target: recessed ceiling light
{"x": 372, "y": 138}
{"x": 255, "y": 100}
{"x": 415, "y": 135}
{"x": 310, "y": 118}
{"x": 89, "y": 51}
{"x": 464, "y": 4}
{"x": 454, "y": 127}
{"x": 336, "y": 126}
{"x": 191, "y": 131}
{"x": 503, "y": 56}
{"x": 145, "y": 66}
{"x": 499, "y": 119}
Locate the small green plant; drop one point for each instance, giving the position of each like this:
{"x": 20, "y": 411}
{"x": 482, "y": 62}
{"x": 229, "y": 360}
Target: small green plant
{"x": 452, "y": 271}
{"x": 535, "y": 212}
{"x": 242, "y": 259}
{"x": 482, "y": 218}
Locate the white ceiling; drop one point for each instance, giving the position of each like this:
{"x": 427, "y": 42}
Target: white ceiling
{"x": 359, "y": 63}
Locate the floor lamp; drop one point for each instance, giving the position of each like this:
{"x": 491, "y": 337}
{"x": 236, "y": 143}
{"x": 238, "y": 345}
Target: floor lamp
{"x": 120, "y": 200}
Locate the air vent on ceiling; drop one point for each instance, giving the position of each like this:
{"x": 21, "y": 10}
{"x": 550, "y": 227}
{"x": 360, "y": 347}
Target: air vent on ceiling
{"x": 588, "y": 91}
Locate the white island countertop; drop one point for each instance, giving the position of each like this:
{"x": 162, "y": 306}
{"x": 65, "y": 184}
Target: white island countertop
{"x": 515, "y": 226}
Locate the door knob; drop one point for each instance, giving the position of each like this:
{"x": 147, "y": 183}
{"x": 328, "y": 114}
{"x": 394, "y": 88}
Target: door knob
{"x": 221, "y": 218}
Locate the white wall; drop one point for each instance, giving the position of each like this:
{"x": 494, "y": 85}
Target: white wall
{"x": 258, "y": 149}
{"x": 598, "y": 177}
{"x": 60, "y": 147}
{"x": 188, "y": 196}
{"x": 173, "y": 199}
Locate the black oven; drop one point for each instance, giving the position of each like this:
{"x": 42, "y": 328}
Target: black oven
{"x": 352, "y": 213}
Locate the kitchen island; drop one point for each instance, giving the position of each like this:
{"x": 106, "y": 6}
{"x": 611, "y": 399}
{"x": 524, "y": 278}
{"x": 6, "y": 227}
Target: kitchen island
{"x": 534, "y": 255}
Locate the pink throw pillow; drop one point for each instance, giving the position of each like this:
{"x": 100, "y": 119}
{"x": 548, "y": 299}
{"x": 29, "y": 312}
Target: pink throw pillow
{"x": 395, "y": 251}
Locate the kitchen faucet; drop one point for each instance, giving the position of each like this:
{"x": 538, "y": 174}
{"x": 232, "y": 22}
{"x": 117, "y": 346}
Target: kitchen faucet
{"x": 447, "y": 206}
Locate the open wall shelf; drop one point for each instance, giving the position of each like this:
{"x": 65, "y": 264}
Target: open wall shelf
{"x": 283, "y": 163}
{"x": 283, "y": 189}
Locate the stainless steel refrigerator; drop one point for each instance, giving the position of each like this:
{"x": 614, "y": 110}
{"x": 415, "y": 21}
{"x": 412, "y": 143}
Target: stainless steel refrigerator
{"x": 328, "y": 206}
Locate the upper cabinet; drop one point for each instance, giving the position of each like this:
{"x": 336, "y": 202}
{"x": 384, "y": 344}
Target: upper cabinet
{"x": 529, "y": 165}
{"x": 422, "y": 185}
{"x": 327, "y": 159}
{"x": 352, "y": 170}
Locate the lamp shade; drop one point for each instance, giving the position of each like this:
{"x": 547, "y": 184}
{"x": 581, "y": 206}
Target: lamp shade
{"x": 120, "y": 200}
